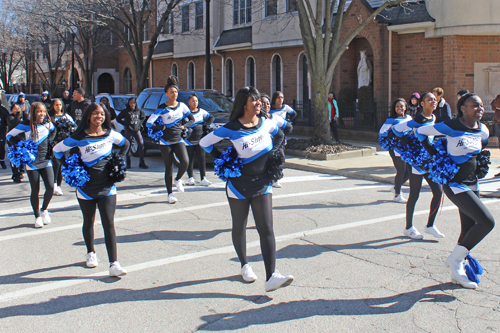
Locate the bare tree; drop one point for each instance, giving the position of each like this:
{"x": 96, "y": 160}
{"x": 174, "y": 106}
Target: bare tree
{"x": 324, "y": 48}
{"x": 10, "y": 55}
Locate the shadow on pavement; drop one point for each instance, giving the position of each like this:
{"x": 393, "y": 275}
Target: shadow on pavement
{"x": 25, "y": 277}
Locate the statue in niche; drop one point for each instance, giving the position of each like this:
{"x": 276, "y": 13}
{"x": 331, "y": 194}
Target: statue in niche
{"x": 364, "y": 71}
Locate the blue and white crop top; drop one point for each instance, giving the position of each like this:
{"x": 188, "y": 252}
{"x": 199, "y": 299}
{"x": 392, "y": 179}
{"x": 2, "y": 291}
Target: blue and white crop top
{"x": 171, "y": 117}
{"x": 407, "y": 126}
{"x": 201, "y": 118}
{"x": 390, "y": 123}
{"x": 284, "y": 111}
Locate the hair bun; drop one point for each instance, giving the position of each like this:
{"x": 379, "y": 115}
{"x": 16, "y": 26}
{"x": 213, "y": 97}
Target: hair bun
{"x": 172, "y": 81}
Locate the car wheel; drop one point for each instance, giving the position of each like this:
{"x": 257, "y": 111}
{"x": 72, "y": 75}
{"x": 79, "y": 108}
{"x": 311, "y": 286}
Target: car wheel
{"x": 134, "y": 147}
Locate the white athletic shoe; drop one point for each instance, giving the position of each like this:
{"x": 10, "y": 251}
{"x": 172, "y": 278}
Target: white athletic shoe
{"x": 38, "y": 222}
{"x": 456, "y": 264}
{"x": 413, "y": 233}
{"x": 116, "y": 270}
{"x": 58, "y": 190}
{"x": 92, "y": 260}
{"x": 278, "y": 281}
{"x": 248, "y": 274}
{"x": 205, "y": 182}
{"x": 400, "y": 198}
{"x": 277, "y": 184}
{"x": 434, "y": 232}
{"x": 172, "y": 199}
{"x": 191, "y": 181}
{"x": 45, "y": 217}
{"x": 180, "y": 185}
{"x": 393, "y": 190}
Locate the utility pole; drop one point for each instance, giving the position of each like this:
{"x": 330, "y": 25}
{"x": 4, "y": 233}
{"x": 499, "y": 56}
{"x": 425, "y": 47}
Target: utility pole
{"x": 72, "y": 83}
{"x": 208, "y": 67}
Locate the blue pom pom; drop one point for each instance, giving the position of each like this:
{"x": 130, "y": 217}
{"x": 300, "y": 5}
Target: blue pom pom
{"x": 64, "y": 128}
{"x": 470, "y": 274}
{"x": 24, "y": 152}
{"x": 388, "y": 142}
{"x": 412, "y": 151}
{"x": 440, "y": 167}
{"x": 474, "y": 264}
{"x": 74, "y": 173}
{"x": 228, "y": 164}
{"x": 483, "y": 161}
{"x": 156, "y": 135}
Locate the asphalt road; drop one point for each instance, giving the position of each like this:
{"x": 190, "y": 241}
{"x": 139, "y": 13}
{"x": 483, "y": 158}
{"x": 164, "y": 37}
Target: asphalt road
{"x": 341, "y": 238}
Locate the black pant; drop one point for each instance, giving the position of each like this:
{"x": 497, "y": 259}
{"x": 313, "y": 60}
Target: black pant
{"x": 107, "y": 207}
{"x": 475, "y": 219}
{"x": 199, "y": 153}
{"x": 415, "y": 187}
{"x": 263, "y": 215}
{"x": 140, "y": 144}
{"x": 2, "y": 149}
{"x": 333, "y": 126}
{"x": 403, "y": 170}
{"x": 56, "y": 165}
{"x": 167, "y": 152}
{"x": 48, "y": 180}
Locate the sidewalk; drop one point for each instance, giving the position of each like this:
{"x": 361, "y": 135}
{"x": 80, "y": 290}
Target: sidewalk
{"x": 379, "y": 167}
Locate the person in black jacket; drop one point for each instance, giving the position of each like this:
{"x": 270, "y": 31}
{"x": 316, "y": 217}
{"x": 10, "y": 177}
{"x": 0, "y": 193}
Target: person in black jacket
{"x": 16, "y": 116}
{"x": 66, "y": 100}
{"x": 112, "y": 113}
{"x": 443, "y": 110}
{"x": 79, "y": 105}
{"x": 132, "y": 118}
{"x": 4, "y": 118}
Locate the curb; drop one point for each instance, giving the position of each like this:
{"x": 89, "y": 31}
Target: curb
{"x": 363, "y": 151}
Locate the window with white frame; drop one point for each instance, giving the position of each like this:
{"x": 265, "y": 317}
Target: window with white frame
{"x": 175, "y": 69}
{"x": 185, "y": 18}
{"x": 229, "y": 76}
{"x": 291, "y": 5}
{"x": 276, "y": 77}
{"x": 127, "y": 81}
{"x": 250, "y": 72}
{"x": 242, "y": 11}
{"x": 198, "y": 15}
{"x": 145, "y": 32}
{"x": 168, "y": 28}
{"x": 191, "y": 75}
{"x": 271, "y": 7}
{"x": 127, "y": 32}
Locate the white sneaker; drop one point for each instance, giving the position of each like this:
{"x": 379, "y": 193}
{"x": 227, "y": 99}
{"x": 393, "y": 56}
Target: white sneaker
{"x": 172, "y": 199}
{"x": 45, "y": 217}
{"x": 248, "y": 274}
{"x": 116, "y": 270}
{"x": 278, "y": 281}
{"x": 400, "y": 198}
{"x": 57, "y": 190}
{"x": 191, "y": 181}
{"x": 180, "y": 185}
{"x": 38, "y": 222}
{"x": 92, "y": 260}
{"x": 205, "y": 182}
{"x": 393, "y": 190}
{"x": 277, "y": 184}
{"x": 413, "y": 233}
{"x": 434, "y": 232}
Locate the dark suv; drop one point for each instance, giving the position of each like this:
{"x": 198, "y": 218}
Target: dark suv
{"x": 211, "y": 100}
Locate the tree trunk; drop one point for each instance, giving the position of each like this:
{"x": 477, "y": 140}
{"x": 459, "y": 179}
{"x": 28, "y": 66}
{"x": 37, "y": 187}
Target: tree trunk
{"x": 320, "y": 104}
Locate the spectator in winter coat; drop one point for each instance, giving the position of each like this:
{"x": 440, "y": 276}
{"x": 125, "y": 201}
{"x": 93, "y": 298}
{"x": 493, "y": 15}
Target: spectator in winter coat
{"x": 333, "y": 115}
{"x": 66, "y": 100}
{"x": 79, "y": 105}
{"x": 443, "y": 110}
{"x": 46, "y": 99}
{"x": 4, "y": 119}
{"x": 24, "y": 105}
{"x": 413, "y": 107}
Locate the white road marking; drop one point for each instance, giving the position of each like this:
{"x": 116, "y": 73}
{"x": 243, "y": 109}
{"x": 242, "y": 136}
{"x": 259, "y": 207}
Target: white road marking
{"x": 175, "y": 211}
{"x": 201, "y": 254}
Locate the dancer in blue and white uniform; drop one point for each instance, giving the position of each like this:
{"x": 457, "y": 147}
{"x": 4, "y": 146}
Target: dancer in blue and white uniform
{"x": 403, "y": 169}
{"x": 58, "y": 114}
{"x": 466, "y": 137}
{"x": 171, "y": 113}
{"x": 254, "y": 137}
{"x": 425, "y": 118}
{"x": 202, "y": 120}
{"x": 94, "y": 138}
{"x": 283, "y": 124}
{"x": 40, "y": 130}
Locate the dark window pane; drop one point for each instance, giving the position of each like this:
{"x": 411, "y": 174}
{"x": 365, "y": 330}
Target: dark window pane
{"x": 271, "y": 7}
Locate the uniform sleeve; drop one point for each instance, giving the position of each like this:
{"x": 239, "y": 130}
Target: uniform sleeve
{"x": 191, "y": 120}
{"x": 404, "y": 127}
{"x": 485, "y": 134}
{"x": 384, "y": 130}
{"x": 52, "y": 131}
{"x": 431, "y": 130}
{"x": 13, "y": 133}
{"x": 209, "y": 119}
{"x": 208, "y": 141}
{"x": 64, "y": 146}
{"x": 152, "y": 118}
{"x": 278, "y": 135}
{"x": 291, "y": 113}
{"x": 70, "y": 119}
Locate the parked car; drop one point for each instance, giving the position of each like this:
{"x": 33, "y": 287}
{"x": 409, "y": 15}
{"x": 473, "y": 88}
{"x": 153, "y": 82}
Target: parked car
{"x": 117, "y": 102}
{"x": 29, "y": 97}
{"x": 211, "y": 100}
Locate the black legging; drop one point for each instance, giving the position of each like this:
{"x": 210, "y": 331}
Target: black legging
{"x": 333, "y": 126}
{"x": 415, "y": 187}
{"x": 48, "y": 180}
{"x": 140, "y": 144}
{"x": 475, "y": 219}
{"x": 2, "y": 149}
{"x": 167, "y": 152}
{"x": 107, "y": 207}
{"x": 403, "y": 170}
{"x": 197, "y": 151}
{"x": 263, "y": 216}
{"x": 56, "y": 165}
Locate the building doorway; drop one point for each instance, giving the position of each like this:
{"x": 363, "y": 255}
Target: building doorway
{"x": 105, "y": 84}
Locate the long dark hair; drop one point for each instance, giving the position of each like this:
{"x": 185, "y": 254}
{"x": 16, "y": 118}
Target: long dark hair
{"x": 394, "y": 114}
{"x": 274, "y": 98}
{"x": 128, "y": 103}
{"x": 34, "y": 106}
{"x": 241, "y": 100}
{"x": 52, "y": 113}
{"x": 461, "y": 102}
{"x": 84, "y": 124}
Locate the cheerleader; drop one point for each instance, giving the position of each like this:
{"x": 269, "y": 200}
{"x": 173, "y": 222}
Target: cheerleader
{"x": 466, "y": 137}
{"x": 60, "y": 117}
{"x": 171, "y": 113}
{"x": 202, "y": 119}
{"x": 397, "y": 116}
{"x": 40, "y": 130}
{"x": 94, "y": 138}
{"x": 283, "y": 124}
{"x": 254, "y": 137}
{"x": 425, "y": 118}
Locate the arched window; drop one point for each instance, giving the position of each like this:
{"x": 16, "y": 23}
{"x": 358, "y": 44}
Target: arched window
{"x": 127, "y": 81}
{"x": 191, "y": 75}
{"x": 250, "y": 72}
{"x": 302, "y": 79}
{"x": 276, "y": 77}
{"x": 229, "y": 76}
{"x": 175, "y": 70}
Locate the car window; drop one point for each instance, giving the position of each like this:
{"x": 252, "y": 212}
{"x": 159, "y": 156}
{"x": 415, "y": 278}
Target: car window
{"x": 120, "y": 103}
{"x": 209, "y": 104}
{"x": 163, "y": 99}
{"x": 152, "y": 102}
{"x": 142, "y": 97}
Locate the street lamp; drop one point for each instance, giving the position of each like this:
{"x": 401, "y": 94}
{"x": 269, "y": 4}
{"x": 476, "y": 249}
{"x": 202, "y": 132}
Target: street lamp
{"x": 72, "y": 84}
{"x": 208, "y": 68}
